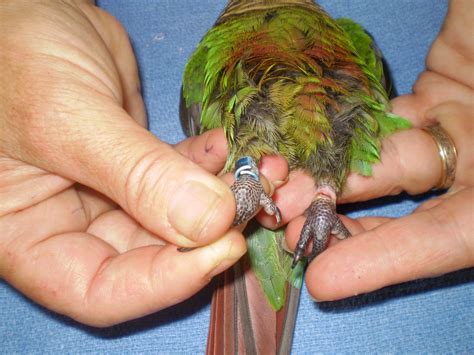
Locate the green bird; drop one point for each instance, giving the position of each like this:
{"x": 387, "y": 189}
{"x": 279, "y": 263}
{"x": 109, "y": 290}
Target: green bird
{"x": 283, "y": 77}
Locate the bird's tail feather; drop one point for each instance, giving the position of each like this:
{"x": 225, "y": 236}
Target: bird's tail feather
{"x": 242, "y": 320}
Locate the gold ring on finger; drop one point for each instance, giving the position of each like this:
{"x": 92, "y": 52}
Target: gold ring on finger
{"x": 447, "y": 153}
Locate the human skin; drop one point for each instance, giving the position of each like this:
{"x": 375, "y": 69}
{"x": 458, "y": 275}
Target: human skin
{"x": 85, "y": 190}
{"x": 92, "y": 204}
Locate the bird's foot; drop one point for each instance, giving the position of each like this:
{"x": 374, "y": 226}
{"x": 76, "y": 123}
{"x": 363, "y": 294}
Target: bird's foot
{"x": 249, "y": 193}
{"x": 321, "y": 221}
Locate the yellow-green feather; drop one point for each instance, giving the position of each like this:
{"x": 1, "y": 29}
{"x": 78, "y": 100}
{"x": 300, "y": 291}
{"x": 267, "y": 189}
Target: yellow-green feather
{"x": 283, "y": 53}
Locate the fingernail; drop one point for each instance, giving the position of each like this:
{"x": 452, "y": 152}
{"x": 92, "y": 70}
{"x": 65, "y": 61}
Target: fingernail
{"x": 221, "y": 267}
{"x": 192, "y": 208}
{"x": 285, "y": 246}
{"x": 272, "y": 189}
{"x": 267, "y": 183}
{"x": 278, "y": 183}
{"x": 226, "y": 253}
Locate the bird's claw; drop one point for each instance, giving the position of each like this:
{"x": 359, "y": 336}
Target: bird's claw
{"x": 270, "y": 207}
{"x": 249, "y": 193}
{"x": 321, "y": 221}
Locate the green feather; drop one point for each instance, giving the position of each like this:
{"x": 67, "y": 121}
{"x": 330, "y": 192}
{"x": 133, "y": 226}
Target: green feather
{"x": 272, "y": 264}
{"x": 363, "y": 45}
{"x": 291, "y": 80}
{"x": 366, "y": 144}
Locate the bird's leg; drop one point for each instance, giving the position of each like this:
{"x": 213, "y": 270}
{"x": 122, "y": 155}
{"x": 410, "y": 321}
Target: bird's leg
{"x": 321, "y": 221}
{"x": 249, "y": 193}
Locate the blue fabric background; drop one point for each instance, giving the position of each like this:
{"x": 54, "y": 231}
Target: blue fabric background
{"x": 426, "y": 316}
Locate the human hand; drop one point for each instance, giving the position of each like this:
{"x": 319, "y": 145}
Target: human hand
{"x": 92, "y": 205}
{"x": 438, "y": 237}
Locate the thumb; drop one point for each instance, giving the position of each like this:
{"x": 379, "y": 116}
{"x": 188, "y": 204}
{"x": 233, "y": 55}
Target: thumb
{"x": 100, "y": 146}
{"x": 64, "y": 111}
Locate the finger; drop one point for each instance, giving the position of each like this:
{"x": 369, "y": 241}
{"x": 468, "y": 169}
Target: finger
{"x": 94, "y": 284}
{"x": 73, "y": 125}
{"x": 91, "y": 205}
{"x": 275, "y": 169}
{"x": 409, "y": 162}
{"x": 431, "y": 89}
{"x": 164, "y": 191}
{"x": 452, "y": 47}
{"x": 160, "y": 277}
{"x": 410, "y": 107}
{"x": 273, "y": 174}
{"x": 399, "y": 170}
{"x": 82, "y": 276}
{"x": 116, "y": 39}
{"x": 457, "y": 120}
{"x": 425, "y": 244}
{"x": 292, "y": 198}
{"x": 23, "y": 185}
{"x": 208, "y": 150}
{"x": 122, "y": 232}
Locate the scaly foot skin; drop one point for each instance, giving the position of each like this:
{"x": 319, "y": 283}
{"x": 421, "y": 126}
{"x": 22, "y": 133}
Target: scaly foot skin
{"x": 249, "y": 193}
{"x": 321, "y": 221}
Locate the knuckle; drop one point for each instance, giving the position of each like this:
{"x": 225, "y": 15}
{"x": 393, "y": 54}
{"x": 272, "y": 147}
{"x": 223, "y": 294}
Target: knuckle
{"x": 151, "y": 179}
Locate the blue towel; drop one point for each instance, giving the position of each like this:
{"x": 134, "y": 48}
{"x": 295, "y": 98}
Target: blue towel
{"x": 426, "y": 316}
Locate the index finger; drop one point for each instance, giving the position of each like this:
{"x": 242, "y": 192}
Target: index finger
{"x": 409, "y": 161}
{"x": 425, "y": 244}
